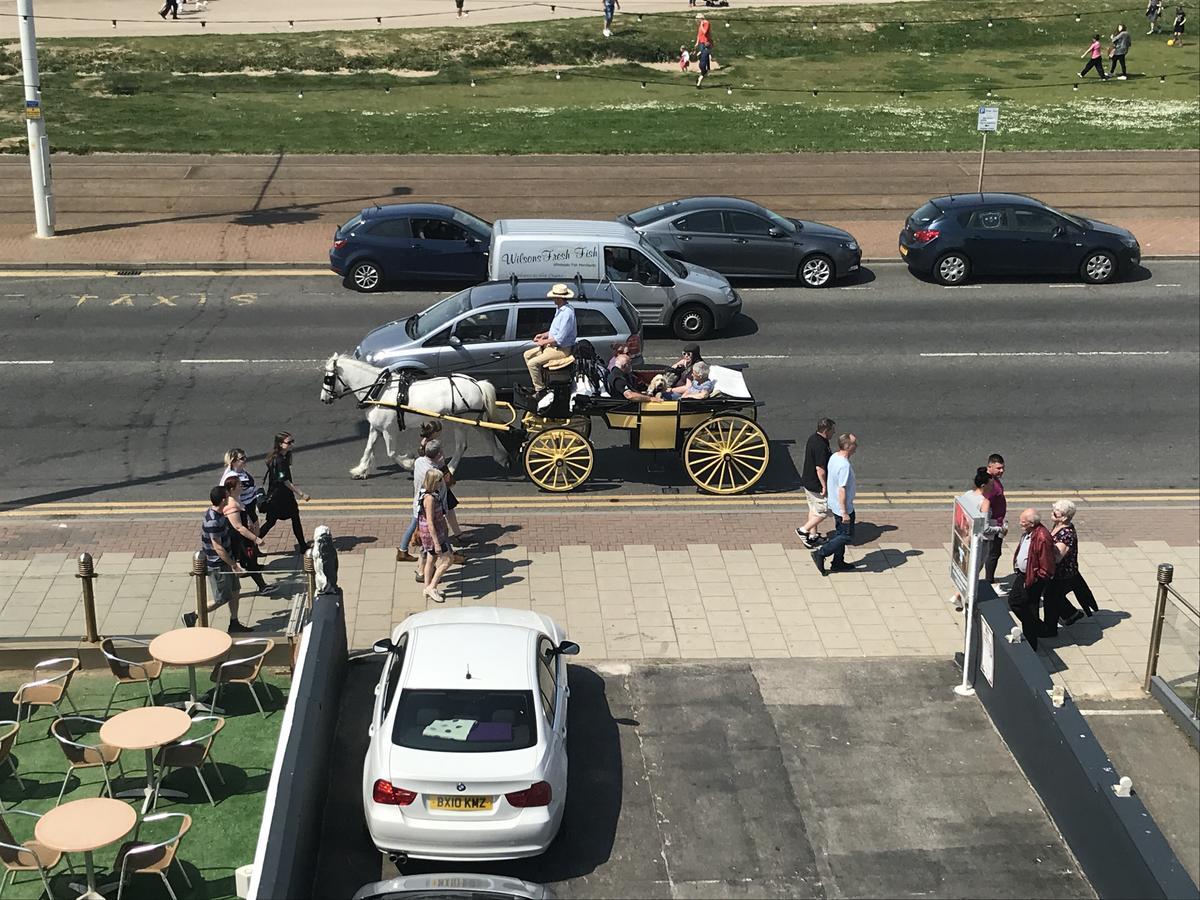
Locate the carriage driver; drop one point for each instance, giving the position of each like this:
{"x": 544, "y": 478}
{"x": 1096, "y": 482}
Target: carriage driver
{"x": 556, "y": 343}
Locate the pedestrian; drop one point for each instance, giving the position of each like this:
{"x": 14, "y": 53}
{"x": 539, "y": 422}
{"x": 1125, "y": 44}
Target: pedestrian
{"x": 171, "y": 6}
{"x": 216, "y": 542}
{"x": 1120, "y": 46}
{"x": 610, "y": 6}
{"x": 813, "y": 478}
{"x": 841, "y": 489}
{"x": 1094, "y": 58}
{"x": 279, "y": 502}
{"x": 250, "y": 494}
{"x": 246, "y": 542}
{"x": 1177, "y": 31}
{"x": 997, "y": 516}
{"x": 1033, "y": 564}
{"x": 704, "y": 42}
{"x": 554, "y": 343}
{"x": 685, "y": 58}
{"x": 432, "y": 459}
{"x": 1154, "y": 11}
{"x": 429, "y": 431}
{"x": 1067, "y": 577}
{"x": 976, "y": 502}
{"x": 458, "y": 5}
{"x": 435, "y": 539}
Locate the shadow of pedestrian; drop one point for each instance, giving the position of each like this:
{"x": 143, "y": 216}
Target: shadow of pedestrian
{"x": 1084, "y": 633}
{"x": 881, "y": 560}
{"x": 869, "y": 532}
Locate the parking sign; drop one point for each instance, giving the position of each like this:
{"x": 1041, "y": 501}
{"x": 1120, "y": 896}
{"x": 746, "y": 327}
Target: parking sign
{"x": 989, "y": 118}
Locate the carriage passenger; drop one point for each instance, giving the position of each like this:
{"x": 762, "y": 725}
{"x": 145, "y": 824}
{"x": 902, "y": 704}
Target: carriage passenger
{"x": 622, "y": 384}
{"x": 698, "y": 387}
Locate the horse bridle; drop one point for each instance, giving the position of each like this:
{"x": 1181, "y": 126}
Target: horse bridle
{"x": 331, "y": 380}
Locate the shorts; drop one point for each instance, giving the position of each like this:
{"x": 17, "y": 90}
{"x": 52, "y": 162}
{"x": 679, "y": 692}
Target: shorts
{"x": 223, "y": 586}
{"x": 817, "y": 505}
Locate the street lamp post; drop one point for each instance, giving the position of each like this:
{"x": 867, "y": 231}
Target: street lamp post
{"x": 35, "y": 124}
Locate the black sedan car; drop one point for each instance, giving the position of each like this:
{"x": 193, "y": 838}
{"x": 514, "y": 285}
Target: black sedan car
{"x": 952, "y": 238}
{"x": 411, "y": 242}
{"x": 741, "y": 239}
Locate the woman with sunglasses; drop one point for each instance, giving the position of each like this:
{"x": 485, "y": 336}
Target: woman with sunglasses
{"x": 279, "y": 502}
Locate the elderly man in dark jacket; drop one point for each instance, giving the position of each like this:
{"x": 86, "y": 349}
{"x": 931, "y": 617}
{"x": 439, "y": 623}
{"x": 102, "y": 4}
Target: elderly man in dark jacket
{"x": 1034, "y": 565}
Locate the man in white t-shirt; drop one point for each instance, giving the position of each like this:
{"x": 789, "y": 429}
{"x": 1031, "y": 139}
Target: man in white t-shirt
{"x": 841, "y": 487}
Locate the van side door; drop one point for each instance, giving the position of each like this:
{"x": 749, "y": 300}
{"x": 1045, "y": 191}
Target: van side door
{"x": 644, "y": 284}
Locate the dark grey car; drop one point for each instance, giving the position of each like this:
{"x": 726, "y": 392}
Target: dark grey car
{"x": 741, "y": 239}
{"x": 484, "y": 330}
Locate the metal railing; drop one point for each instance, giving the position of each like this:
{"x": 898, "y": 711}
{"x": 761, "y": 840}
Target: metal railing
{"x": 1177, "y": 624}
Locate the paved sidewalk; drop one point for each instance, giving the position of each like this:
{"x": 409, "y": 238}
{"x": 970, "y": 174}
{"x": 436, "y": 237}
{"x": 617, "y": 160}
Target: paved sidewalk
{"x": 142, "y": 210}
{"x": 755, "y": 594}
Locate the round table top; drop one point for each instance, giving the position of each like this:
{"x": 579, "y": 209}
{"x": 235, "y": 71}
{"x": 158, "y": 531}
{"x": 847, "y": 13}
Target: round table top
{"x": 83, "y": 825}
{"x": 190, "y": 646}
{"x": 145, "y": 727}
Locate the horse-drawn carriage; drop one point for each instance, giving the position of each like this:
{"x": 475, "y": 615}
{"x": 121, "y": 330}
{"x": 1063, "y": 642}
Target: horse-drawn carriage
{"x": 723, "y": 448}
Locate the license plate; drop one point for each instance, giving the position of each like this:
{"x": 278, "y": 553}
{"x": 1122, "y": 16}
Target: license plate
{"x": 903, "y": 250}
{"x": 453, "y": 803}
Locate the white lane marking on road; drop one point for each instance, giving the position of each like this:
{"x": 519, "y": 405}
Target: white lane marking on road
{"x": 14, "y": 295}
{"x": 26, "y": 362}
{"x": 1122, "y": 712}
{"x": 209, "y": 361}
{"x": 855, "y": 287}
{"x": 961, "y": 287}
{"x": 1168, "y": 285}
{"x": 739, "y": 356}
{"x": 1050, "y": 353}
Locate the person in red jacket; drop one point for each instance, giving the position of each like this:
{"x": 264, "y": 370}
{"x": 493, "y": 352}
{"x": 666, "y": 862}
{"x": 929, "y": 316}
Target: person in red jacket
{"x": 1034, "y": 563}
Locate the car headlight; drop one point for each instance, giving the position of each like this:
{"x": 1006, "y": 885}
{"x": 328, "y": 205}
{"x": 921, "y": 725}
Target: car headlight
{"x": 1129, "y": 242}
{"x": 850, "y": 245}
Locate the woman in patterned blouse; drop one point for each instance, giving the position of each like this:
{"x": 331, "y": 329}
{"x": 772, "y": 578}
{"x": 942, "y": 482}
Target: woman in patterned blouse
{"x": 1067, "y": 577}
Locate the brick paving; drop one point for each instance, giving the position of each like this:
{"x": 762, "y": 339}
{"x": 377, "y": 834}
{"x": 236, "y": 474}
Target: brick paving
{"x": 641, "y": 585}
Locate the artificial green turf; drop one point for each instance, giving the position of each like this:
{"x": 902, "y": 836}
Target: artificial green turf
{"x": 221, "y": 838}
{"x": 857, "y": 82}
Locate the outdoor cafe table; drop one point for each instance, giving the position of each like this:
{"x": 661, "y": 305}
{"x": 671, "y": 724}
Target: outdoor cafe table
{"x": 146, "y": 728}
{"x": 191, "y": 647}
{"x": 82, "y": 826}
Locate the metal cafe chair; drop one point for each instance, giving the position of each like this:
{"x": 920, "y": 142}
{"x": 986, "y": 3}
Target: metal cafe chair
{"x": 245, "y": 670}
{"x": 26, "y": 856}
{"x": 192, "y": 753}
{"x": 51, "y": 683}
{"x": 135, "y": 858}
{"x": 126, "y": 671}
{"x": 84, "y": 756}
{"x": 8, "y": 737}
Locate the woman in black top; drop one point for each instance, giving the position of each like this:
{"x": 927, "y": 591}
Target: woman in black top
{"x": 279, "y": 501}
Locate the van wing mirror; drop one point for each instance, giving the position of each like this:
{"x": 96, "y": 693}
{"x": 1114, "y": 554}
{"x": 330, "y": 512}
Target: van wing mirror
{"x": 567, "y": 648}
{"x": 1058, "y": 231}
{"x": 383, "y": 645}
{"x": 774, "y": 232}
{"x": 455, "y": 341}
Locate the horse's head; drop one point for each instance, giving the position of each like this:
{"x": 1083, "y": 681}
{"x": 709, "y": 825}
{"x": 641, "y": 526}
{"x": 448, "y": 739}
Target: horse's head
{"x": 329, "y": 380}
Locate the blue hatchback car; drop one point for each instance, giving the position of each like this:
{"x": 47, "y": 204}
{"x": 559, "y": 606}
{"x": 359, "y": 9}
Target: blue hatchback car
{"x": 407, "y": 242}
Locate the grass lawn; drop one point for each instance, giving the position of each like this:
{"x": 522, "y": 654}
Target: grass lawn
{"x": 858, "y": 81}
{"x": 221, "y": 838}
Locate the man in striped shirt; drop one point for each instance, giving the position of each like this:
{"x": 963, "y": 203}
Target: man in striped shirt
{"x": 216, "y": 539}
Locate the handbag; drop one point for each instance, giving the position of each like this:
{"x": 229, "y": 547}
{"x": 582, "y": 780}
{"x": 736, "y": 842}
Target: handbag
{"x": 272, "y": 502}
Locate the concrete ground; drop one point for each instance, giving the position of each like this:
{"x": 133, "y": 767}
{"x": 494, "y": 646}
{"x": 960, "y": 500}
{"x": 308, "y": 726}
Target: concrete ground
{"x": 141, "y": 209}
{"x": 765, "y": 778}
{"x": 1144, "y": 743}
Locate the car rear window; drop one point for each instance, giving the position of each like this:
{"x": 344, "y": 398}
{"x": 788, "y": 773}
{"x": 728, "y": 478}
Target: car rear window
{"x": 649, "y": 214}
{"x": 352, "y": 223}
{"x": 465, "y": 721}
{"x": 925, "y": 214}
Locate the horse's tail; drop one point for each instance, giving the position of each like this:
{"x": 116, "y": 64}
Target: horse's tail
{"x": 488, "y": 391}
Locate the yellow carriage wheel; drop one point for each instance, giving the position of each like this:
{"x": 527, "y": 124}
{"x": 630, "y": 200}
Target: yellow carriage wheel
{"x": 726, "y": 454}
{"x": 534, "y": 424}
{"x": 558, "y": 459}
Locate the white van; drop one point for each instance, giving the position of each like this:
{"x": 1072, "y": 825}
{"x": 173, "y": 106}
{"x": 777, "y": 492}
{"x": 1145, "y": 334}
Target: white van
{"x": 691, "y": 300}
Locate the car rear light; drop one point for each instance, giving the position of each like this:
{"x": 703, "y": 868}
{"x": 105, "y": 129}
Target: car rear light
{"x": 339, "y": 244}
{"x": 534, "y": 795}
{"x": 925, "y": 235}
{"x": 388, "y": 794}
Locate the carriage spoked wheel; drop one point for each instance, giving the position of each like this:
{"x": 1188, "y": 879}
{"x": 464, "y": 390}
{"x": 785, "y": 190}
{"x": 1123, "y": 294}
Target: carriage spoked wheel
{"x": 726, "y": 454}
{"x": 558, "y": 459}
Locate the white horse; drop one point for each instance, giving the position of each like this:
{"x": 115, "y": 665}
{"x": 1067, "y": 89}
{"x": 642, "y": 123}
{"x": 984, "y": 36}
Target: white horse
{"x": 458, "y": 395}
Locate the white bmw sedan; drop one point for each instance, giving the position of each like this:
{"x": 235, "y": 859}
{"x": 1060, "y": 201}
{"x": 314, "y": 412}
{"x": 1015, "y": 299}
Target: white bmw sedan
{"x": 468, "y": 752}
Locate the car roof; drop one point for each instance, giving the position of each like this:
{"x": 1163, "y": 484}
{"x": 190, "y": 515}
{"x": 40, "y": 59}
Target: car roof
{"x": 572, "y": 228}
{"x": 394, "y": 210}
{"x": 951, "y": 201}
{"x": 687, "y": 204}
{"x": 591, "y": 292}
{"x": 498, "y": 653}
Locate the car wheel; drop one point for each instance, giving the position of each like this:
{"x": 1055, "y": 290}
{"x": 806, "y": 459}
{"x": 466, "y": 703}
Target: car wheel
{"x": 952, "y": 268}
{"x": 816, "y": 271}
{"x": 364, "y": 276}
{"x": 692, "y": 323}
{"x": 1099, "y": 267}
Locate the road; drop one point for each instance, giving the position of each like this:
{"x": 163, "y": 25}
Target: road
{"x": 115, "y": 389}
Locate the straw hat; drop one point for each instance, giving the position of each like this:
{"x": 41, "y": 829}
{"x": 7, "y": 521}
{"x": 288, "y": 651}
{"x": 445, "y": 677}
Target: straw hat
{"x": 561, "y": 291}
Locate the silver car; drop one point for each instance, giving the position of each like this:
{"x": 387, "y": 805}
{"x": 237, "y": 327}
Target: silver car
{"x": 484, "y": 330}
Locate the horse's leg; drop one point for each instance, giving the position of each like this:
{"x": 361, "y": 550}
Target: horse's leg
{"x": 364, "y": 465}
{"x": 458, "y": 443}
{"x": 391, "y": 439}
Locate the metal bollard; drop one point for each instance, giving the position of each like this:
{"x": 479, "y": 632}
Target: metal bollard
{"x": 310, "y": 575}
{"x": 86, "y": 575}
{"x": 200, "y": 573}
{"x": 1166, "y": 572}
